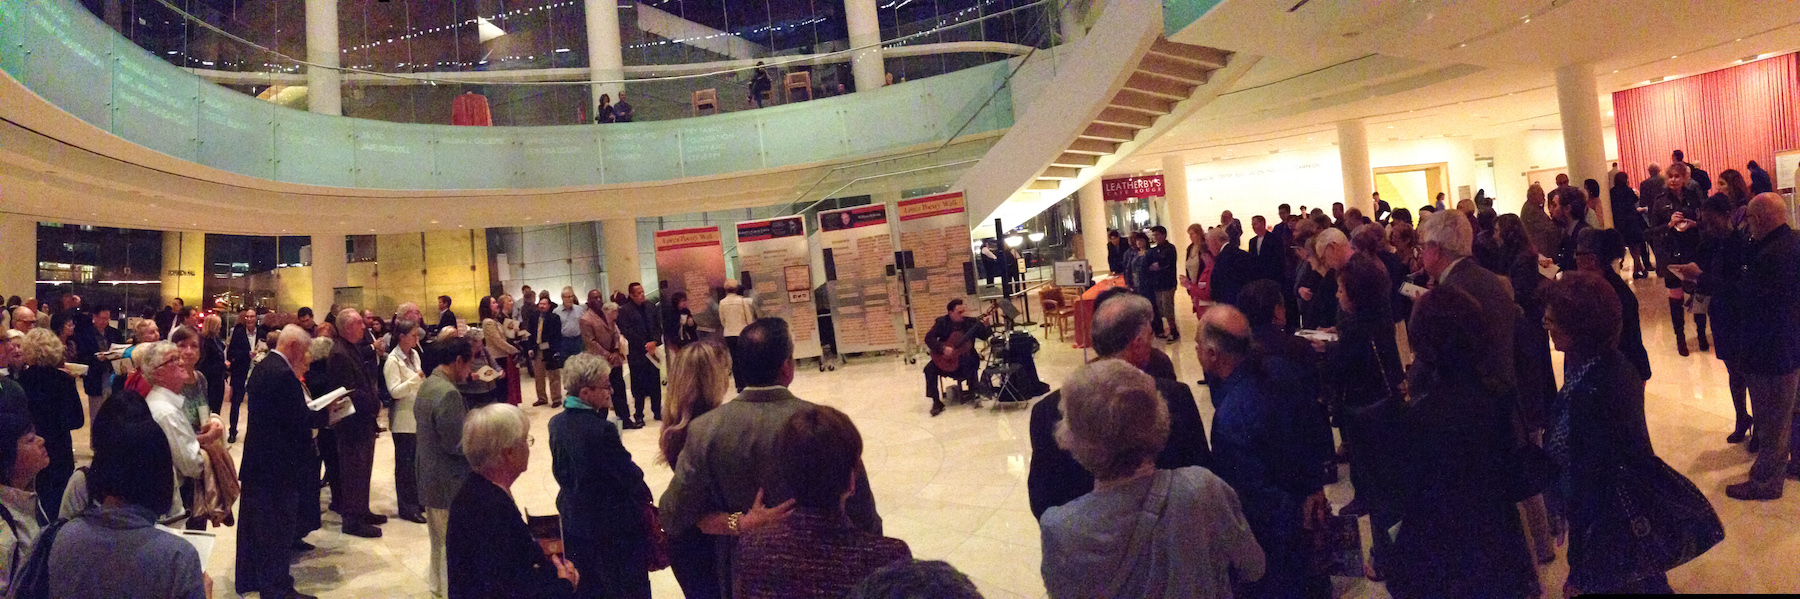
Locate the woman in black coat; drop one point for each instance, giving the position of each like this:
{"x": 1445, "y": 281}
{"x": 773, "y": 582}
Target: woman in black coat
{"x": 1365, "y": 362}
{"x": 56, "y": 410}
{"x": 1630, "y": 224}
{"x": 212, "y": 361}
{"x": 602, "y": 495}
{"x": 1460, "y": 535}
{"x": 1721, "y": 257}
{"x": 1595, "y": 251}
{"x": 1597, "y": 435}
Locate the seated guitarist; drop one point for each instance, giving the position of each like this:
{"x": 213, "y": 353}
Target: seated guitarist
{"x": 953, "y": 337}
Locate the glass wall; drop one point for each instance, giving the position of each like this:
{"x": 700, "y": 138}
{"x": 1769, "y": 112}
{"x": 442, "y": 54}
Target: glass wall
{"x": 118, "y": 269}
{"x": 459, "y": 40}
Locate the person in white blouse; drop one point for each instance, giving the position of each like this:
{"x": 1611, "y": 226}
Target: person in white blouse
{"x": 166, "y": 369}
{"x": 404, "y": 373}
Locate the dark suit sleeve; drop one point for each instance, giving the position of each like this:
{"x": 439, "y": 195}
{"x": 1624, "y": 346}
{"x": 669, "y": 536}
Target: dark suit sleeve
{"x": 1187, "y": 430}
{"x": 1054, "y": 477}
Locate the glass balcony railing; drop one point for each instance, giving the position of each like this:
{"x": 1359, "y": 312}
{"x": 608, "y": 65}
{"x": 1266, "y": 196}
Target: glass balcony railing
{"x": 529, "y": 58}
{"x": 73, "y": 59}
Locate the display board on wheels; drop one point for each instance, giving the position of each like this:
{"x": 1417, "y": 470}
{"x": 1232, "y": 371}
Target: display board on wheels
{"x": 772, "y": 258}
{"x": 858, "y": 250}
{"x": 935, "y": 230}
{"x": 691, "y": 261}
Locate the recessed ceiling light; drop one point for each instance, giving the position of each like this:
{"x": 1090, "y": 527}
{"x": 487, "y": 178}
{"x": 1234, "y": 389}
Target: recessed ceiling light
{"x": 1615, "y": 71}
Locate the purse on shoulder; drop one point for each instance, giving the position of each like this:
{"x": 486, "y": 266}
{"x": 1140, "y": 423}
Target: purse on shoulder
{"x": 1658, "y": 520}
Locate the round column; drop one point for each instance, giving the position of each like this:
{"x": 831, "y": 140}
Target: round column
{"x": 619, "y": 238}
{"x": 1584, "y": 138}
{"x": 330, "y": 270}
{"x": 18, "y": 239}
{"x": 1092, "y": 205}
{"x": 1353, "y": 157}
{"x": 865, "y": 29}
{"x": 324, "y": 86}
{"x": 1175, "y": 197}
{"x": 606, "y": 58}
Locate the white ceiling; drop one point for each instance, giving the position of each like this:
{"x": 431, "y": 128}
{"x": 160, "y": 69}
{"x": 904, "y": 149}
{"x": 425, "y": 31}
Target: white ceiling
{"x": 1424, "y": 68}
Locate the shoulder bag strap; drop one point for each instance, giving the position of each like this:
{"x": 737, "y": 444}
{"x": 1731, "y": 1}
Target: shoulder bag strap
{"x": 1150, "y": 512}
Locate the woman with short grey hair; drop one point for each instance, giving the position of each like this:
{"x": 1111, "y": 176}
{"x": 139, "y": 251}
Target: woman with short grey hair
{"x": 601, "y": 492}
{"x": 490, "y": 550}
{"x": 1142, "y": 532}
{"x": 166, "y": 370}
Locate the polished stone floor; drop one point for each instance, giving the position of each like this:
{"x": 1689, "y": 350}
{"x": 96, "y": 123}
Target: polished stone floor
{"x": 953, "y": 487}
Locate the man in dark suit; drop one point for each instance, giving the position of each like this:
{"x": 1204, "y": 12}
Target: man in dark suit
{"x": 446, "y": 318}
{"x": 276, "y": 454}
{"x": 240, "y": 350}
{"x": 1268, "y": 252}
{"x": 92, "y": 339}
{"x": 1446, "y": 242}
{"x": 954, "y": 321}
{"x": 1121, "y": 330}
{"x": 351, "y": 366}
{"x": 1234, "y": 228}
{"x": 1163, "y": 268}
{"x": 641, "y": 324}
{"x": 1232, "y": 268}
{"x": 1571, "y": 214}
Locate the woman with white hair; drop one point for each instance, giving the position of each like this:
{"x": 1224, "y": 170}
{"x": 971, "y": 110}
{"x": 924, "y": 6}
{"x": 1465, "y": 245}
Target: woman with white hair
{"x": 166, "y": 370}
{"x": 601, "y": 493}
{"x": 488, "y": 546}
{"x": 404, "y": 373}
{"x": 55, "y": 411}
{"x": 1142, "y": 532}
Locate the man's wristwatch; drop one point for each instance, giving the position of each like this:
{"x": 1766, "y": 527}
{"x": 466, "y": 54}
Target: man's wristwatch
{"x": 731, "y": 521}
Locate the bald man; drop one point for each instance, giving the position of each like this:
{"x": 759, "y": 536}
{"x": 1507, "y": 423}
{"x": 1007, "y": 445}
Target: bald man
{"x": 24, "y": 319}
{"x": 278, "y": 455}
{"x": 1269, "y": 443}
{"x": 351, "y": 366}
{"x": 1769, "y": 291}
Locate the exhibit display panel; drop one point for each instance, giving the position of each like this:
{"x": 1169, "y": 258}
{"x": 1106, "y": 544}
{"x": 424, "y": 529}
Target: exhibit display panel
{"x": 690, "y": 261}
{"x": 934, "y": 230}
{"x": 866, "y": 308}
{"x": 73, "y": 60}
{"x": 772, "y": 260}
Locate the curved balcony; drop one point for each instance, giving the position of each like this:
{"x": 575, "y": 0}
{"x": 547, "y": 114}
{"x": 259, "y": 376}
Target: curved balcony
{"x": 73, "y": 60}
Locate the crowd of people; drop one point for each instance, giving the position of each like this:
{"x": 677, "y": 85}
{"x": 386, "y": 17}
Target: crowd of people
{"x": 1429, "y": 350}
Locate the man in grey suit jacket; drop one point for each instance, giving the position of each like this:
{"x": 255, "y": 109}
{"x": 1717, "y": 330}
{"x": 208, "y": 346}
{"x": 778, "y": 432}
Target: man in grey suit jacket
{"x": 441, "y": 467}
{"x": 726, "y": 472}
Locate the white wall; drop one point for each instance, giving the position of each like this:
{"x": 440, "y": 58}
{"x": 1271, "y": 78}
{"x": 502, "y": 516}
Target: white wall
{"x": 1517, "y": 153}
{"x": 1311, "y": 177}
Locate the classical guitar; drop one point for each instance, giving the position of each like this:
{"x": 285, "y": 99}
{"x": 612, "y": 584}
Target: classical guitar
{"x": 952, "y": 351}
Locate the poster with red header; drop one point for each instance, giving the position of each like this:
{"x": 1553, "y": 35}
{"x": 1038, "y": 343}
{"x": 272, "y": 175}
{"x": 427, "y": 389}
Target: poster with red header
{"x": 772, "y": 260}
{"x": 691, "y": 261}
{"x": 858, "y": 248}
{"x": 936, "y": 230}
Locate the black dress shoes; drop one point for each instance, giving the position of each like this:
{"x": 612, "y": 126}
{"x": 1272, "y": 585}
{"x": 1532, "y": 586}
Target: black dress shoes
{"x": 415, "y": 517}
{"x": 362, "y": 530}
{"x": 374, "y": 519}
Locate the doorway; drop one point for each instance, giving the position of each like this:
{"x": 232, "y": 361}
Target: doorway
{"x": 1414, "y": 186}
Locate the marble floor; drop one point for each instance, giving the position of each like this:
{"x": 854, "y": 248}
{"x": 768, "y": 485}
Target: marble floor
{"x": 953, "y": 487}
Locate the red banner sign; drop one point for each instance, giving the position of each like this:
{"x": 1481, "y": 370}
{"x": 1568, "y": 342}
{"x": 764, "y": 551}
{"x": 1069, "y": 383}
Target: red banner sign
{"x": 1119, "y": 190}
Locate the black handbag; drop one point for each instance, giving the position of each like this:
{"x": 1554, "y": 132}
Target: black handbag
{"x": 1657, "y": 520}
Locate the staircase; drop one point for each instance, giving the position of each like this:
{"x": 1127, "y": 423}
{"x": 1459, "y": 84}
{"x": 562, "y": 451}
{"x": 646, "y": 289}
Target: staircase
{"x": 1123, "y": 86}
{"x": 1166, "y": 75}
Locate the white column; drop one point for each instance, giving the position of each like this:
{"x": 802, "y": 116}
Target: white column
{"x": 865, "y": 29}
{"x": 1584, "y": 141}
{"x": 619, "y": 237}
{"x": 1353, "y": 156}
{"x": 1069, "y": 21}
{"x": 1092, "y": 205}
{"x": 18, "y": 241}
{"x": 329, "y": 271}
{"x": 1175, "y": 197}
{"x": 606, "y": 58}
{"x": 324, "y": 87}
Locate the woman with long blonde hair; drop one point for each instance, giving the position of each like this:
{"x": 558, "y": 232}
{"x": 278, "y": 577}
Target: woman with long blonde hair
{"x": 699, "y": 377}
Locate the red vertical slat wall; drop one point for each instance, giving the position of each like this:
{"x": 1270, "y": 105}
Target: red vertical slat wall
{"x": 1722, "y": 119}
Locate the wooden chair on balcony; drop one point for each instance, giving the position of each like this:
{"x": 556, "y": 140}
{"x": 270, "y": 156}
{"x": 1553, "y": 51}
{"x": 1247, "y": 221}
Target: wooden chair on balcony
{"x": 800, "y": 82}
{"x": 707, "y": 100}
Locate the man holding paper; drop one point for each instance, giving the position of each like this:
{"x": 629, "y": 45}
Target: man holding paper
{"x": 352, "y": 367}
{"x": 278, "y": 447}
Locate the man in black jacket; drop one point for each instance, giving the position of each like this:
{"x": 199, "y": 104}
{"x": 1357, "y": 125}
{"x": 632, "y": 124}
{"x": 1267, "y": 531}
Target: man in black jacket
{"x": 1163, "y": 267}
{"x": 240, "y": 350}
{"x": 351, "y": 366}
{"x": 544, "y": 331}
{"x": 1759, "y": 179}
{"x": 90, "y": 340}
{"x": 446, "y": 318}
{"x": 1770, "y": 285}
{"x": 642, "y": 327}
{"x": 1121, "y": 330}
{"x": 954, "y": 321}
{"x": 1232, "y": 269}
{"x": 276, "y": 455}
